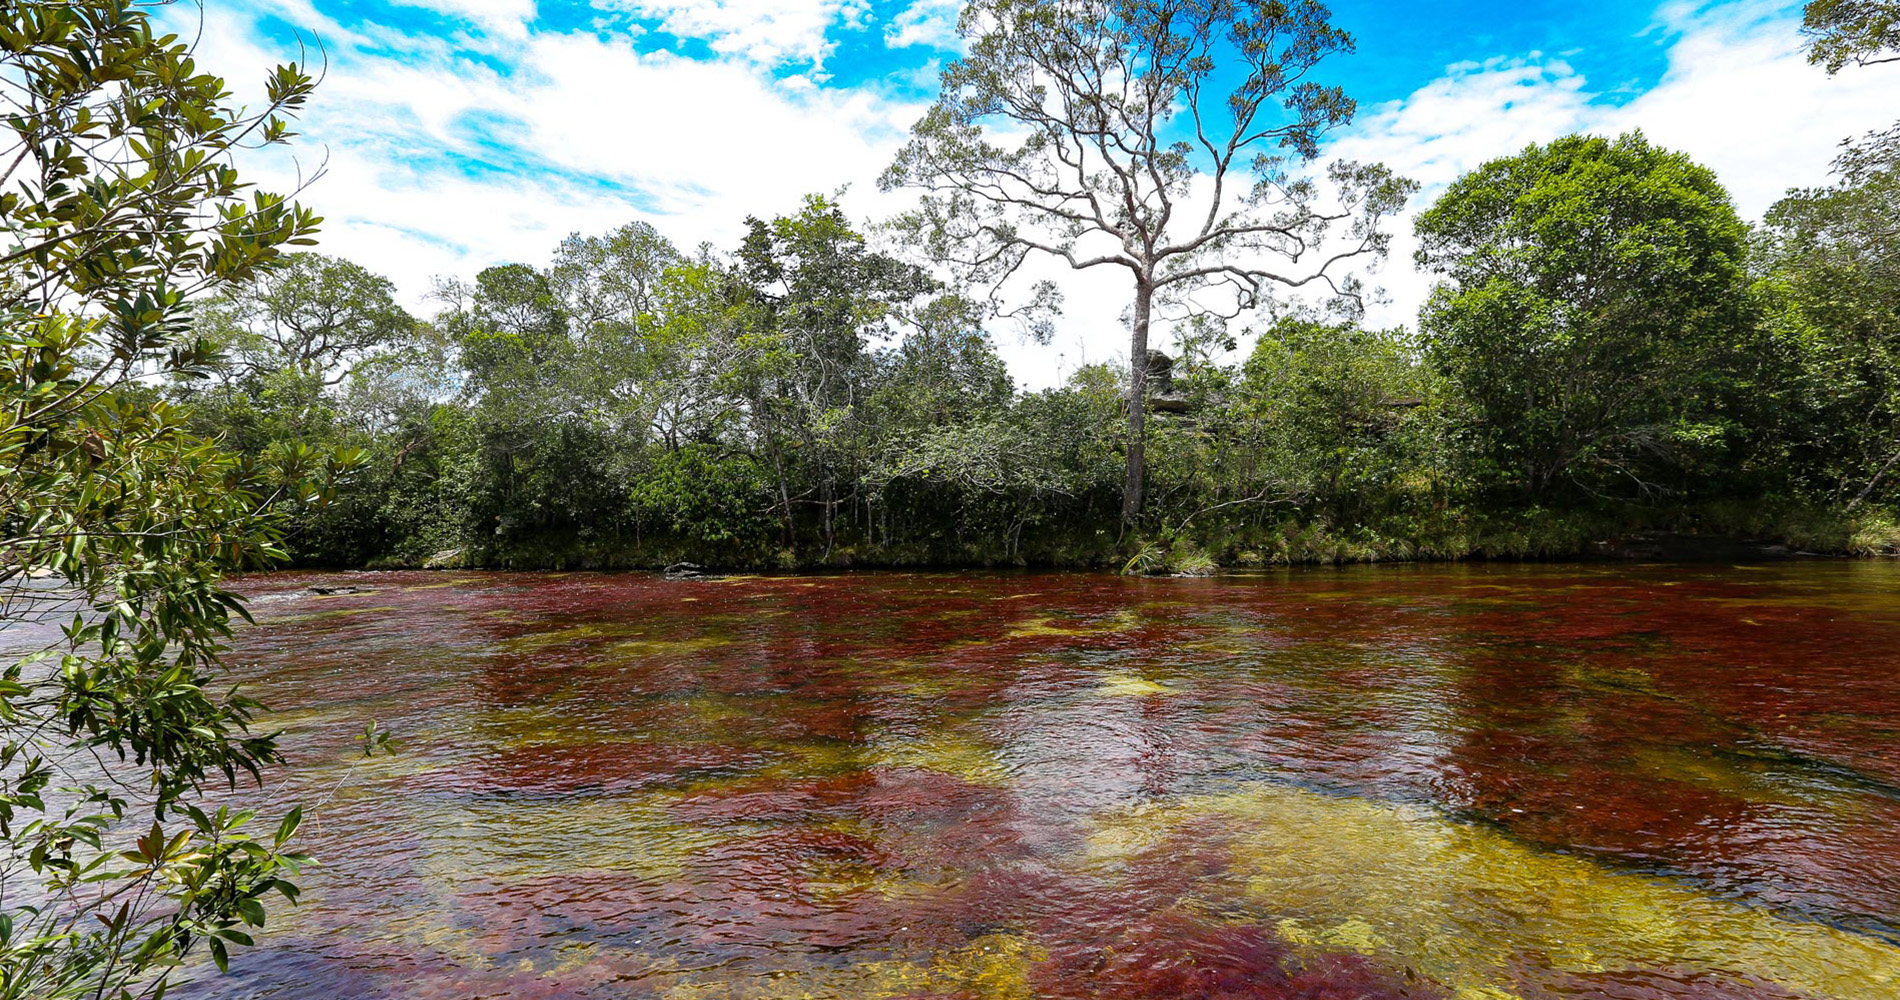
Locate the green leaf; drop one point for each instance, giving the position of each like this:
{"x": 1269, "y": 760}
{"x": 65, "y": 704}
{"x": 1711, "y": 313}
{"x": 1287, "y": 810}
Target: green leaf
{"x": 288, "y": 828}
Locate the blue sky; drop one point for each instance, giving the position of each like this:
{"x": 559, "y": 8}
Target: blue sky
{"x": 1400, "y": 45}
{"x": 454, "y": 134}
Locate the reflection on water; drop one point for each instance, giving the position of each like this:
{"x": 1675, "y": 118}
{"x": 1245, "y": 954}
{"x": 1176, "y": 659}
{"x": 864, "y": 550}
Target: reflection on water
{"x": 1472, "y": 782}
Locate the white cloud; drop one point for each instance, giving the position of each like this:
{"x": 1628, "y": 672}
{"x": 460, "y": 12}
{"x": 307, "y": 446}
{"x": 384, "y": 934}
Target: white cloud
{"x": 507, "y": 18}
{"x": 1473, "y": 113}
{"x": 1740, "y": 97}
{"x": 723, "y": 139}
{"x": 1476, "y": 112}
{"x": 439, "y": 162}
{"x": 766, "y": 32}
{"x": 1737, "y": 95}
{"x": 925, "y": 22}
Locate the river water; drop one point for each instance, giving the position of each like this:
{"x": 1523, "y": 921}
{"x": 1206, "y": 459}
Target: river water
{"x": 1479, "y": 782}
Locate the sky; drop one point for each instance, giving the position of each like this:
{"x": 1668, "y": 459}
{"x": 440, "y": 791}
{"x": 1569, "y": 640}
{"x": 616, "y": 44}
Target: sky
{"x": 451, "y": 135}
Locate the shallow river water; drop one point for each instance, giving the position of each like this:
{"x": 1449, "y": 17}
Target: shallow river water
{"x": 1480, "y": 782}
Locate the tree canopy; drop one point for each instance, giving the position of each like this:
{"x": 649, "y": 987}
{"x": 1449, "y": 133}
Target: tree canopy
{"x": 307, "y": 313}
{"x": 1862, "y": 32}
{"x": 1593, "y": 297}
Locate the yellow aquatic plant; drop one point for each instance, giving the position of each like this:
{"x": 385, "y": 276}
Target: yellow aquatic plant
{"x": 457, "y": 582}
{"x": 1045, "y": 625}
{"x": 949, "y": 752}
{"x": 641, "y": 648}
{"x": 1130, "y": 686}
{"x": 1472, "y": 909}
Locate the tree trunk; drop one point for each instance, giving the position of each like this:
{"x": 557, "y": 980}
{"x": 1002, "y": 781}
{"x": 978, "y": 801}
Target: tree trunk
{"x": 1137, "y": 472}
{"x": 784, "y": 493}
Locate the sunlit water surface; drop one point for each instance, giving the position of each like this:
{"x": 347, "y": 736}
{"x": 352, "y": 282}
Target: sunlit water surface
{"x": 1479, "y": 782}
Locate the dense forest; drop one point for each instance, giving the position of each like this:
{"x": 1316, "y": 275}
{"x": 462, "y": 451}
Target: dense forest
{"x": 1610, "y": 350}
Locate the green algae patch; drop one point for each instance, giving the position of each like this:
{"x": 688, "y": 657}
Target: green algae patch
{"x": 1045, "y": 626}
{"x": 314, "y": 616}
{"x": 1872, "y": 604}
{"x": 1048, "y": 625}
{"x": 649, "y": 843}
{"x": 948, "y": 752}
{"x": 618, "y": 641}
{"x": 515, "y": 727}
{"x": 588, "y": 633}
{"x": 1473, "y": 910}
{"x": 1613, "y": 679}
{"x": 919, "y": 681}
{"x": 1751, "y": 779}
{"x": 641, "y": 648}
{"x": 990, "y": 967}
{"x": 348, "y": 715}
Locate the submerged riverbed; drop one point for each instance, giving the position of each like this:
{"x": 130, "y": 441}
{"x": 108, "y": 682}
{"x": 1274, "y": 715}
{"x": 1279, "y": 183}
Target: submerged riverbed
{"x": 1479, "y": 782}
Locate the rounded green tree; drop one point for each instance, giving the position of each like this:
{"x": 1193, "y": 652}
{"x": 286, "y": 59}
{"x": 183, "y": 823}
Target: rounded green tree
{"x": 1593, "y": 311}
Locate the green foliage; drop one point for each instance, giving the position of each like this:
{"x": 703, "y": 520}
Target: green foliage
{"x": 610, "y": 285}
{"x": 810, "y": 400}
{"x": 1109, "y": 133}
{"x": 513, "y": 334}
{"x": 1830, "y": 279}
{"x": 1349, "y": 415}
{"x": 318, "y": 352}
{"x": 118, "y": 207}
{"x": 706, "y": 497}
{"x": 1600, "y": 359}
{"x": 308, "y": 314}
{"x": 1862, "y": 32}
{"x": 1597, "y": 363}
{"x": 945, "y": 371}
{"x": 822, "y": 296}
{"x": 1593, "y": 313}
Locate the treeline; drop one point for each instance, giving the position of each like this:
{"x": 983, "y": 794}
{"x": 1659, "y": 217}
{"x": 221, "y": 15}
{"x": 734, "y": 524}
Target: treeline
{"x": 1610, "y": 349}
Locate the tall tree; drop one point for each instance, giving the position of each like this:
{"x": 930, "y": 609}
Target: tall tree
{"x": 1866, "y": 33}
{"x": 611, "y": 281}
{"x": 536, "y": 403}
{"x": 609, "y": 287}
{"x": 118, "y": 203}
{"x": 512, "y": 330}
{"x": 695, "y": 351}
{"x": 1346, "y": 410}
{"x": 822, "y": 294}
{"x": 312, "y": 314}
{"x": 1162, "y": 137}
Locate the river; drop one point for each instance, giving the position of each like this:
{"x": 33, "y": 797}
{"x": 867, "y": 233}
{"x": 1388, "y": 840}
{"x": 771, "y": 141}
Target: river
{"x": 1472, "y": 781}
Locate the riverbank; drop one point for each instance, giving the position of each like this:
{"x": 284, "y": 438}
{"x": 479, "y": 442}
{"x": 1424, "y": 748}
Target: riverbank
{"x": 1707, "y": 535}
